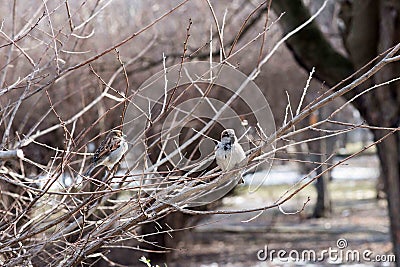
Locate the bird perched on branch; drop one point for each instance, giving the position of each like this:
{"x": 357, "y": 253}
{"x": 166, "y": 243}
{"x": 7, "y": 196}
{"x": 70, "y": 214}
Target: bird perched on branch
{"x": 110, "y": 151}
{"x": 229, "y": 152}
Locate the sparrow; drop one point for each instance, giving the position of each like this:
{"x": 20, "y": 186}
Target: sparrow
{"x": 110, "y": 151}
{"x": 229, "y": 152}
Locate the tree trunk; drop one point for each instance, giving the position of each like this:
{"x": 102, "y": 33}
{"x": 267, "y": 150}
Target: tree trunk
{"x": 389, "y": 98}
{"x": 389, "y": 155}
{"x": 323, "y": 206}
{"x": 309, "y": 46}
{"x": 318, "y": 151}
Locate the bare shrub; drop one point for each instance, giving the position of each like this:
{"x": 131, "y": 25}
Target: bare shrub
{"x": 69, "y": 71}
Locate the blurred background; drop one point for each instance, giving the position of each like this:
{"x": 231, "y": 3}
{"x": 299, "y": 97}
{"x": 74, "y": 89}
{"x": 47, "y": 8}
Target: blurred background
{"x": 357, "y": 200}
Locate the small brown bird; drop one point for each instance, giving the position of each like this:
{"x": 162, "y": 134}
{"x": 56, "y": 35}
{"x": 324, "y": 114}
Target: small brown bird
{"x": 229, "y": 152}
{"x": 110, "y": 151}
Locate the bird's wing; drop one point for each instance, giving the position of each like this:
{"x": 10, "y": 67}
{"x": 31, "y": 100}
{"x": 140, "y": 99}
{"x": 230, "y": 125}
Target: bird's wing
{"x": 108, "y": 145}
{"x": 240, "y": 152}
{"x": 217, "y": 146}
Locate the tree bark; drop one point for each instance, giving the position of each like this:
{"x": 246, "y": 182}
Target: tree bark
{"x": 373, "y": 25}
{"x": 325, "y": 147}
{"x": 309, "y": 46}
{"x": 388, "y": 98}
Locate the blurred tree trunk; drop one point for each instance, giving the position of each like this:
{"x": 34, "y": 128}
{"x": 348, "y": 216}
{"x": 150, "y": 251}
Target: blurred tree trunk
{"x": 322, "y": 149}
{"x": 323, "y": 205}
{"x": 388, "y": 99}
{"x": 372, "y": 26}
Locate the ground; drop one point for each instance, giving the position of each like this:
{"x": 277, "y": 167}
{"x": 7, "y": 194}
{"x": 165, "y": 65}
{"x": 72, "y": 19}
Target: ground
{"x": 358, "y": 217}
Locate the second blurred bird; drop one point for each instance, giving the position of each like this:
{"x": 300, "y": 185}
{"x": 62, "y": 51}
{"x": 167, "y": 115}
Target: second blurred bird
{"x": 110, "y": 151}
